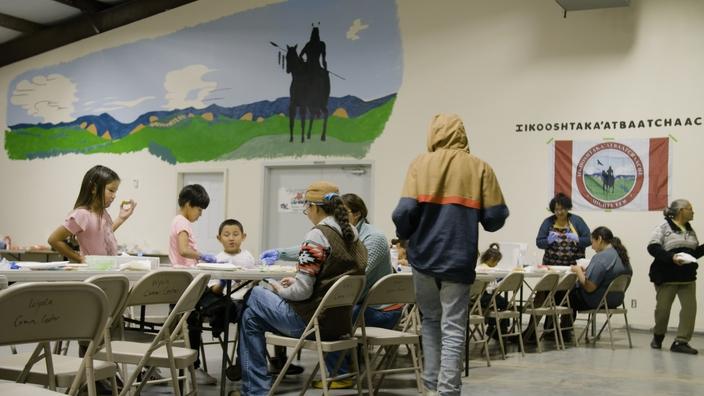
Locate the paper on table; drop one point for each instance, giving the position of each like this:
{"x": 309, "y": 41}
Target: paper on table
{"x": 136, "y": 265}
{"x": 584, "y": 263}
{"x": 218, "y": 266}
{"x": 43, "y": 266}
{"x": 688, "y": 258}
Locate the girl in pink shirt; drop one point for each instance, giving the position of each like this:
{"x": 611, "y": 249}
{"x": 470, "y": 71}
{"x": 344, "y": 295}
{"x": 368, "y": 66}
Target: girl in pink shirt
{"x": 90, "y": 221}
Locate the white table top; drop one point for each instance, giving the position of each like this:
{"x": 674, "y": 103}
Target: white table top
{"x": 81, "y": 275}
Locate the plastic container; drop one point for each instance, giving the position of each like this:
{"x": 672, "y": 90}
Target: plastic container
{"x": 108, "y": 263}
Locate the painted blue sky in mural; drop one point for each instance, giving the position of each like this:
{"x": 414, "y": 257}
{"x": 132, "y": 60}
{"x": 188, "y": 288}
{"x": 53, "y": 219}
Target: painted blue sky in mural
{"x": 229, "y": 62}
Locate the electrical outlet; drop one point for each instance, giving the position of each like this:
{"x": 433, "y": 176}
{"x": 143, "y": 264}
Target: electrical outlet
{"x": 634, "y": 303}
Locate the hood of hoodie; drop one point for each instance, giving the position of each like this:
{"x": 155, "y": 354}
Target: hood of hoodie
{"x": 447, "y": 132}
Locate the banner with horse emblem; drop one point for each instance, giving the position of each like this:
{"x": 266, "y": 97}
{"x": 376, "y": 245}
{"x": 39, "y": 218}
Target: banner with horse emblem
{"x": 629, "y": 174}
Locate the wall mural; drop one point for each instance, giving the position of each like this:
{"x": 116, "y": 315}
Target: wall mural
{"x": 301, "y": 77}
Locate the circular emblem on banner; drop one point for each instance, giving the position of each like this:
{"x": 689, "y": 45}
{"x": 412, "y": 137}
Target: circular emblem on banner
{"x": 609, "y": 175}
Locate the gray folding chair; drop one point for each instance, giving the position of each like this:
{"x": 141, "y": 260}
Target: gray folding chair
{"x": 476, "y": 330}
{"x": 343, "y": 293}
{"x": 541, "y": 303}
{"x": 618, "y": 285}
{"x": 161, "y": 287}
{"x": 510, "y": 285}
{"x": 44, "y": 312}
{"x": 563, "y": 307}
{"x": 391, "y": 289}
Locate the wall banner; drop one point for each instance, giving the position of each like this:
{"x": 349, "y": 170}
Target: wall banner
{"x": 628, "y": 174}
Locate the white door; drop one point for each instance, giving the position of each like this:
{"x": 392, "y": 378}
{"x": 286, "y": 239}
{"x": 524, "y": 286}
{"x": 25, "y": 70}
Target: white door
{"x": 205, "y": 229}
{"x": 284, "y": 223}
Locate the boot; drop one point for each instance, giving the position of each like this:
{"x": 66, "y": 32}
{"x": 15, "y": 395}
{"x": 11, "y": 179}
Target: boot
{"x": 656, "y": 343}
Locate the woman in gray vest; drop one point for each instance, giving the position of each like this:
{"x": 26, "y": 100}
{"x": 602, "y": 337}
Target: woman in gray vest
{"x": 330, "y": 250}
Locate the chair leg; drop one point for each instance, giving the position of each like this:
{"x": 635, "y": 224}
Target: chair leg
{"x": 368, "y": 368}
{"x": 203, "y": 360}
{"x": 355, "y": 365}
{"x": 466, "y": 348}
{"x": 611, "y": 337}
{"x": 323, "y": 371}
{"x": 520, "y": 337}
{"x": 501, "y": 339}
{"x": 628, "y": 331}
{"x": 416, "y": 368}
{"x": 194, "y": 384}
{"x": 282, "y": 374}
{"x": 558, "y": 337}
{"x": 309, "y": 381}
{"x": 535, "y": 321}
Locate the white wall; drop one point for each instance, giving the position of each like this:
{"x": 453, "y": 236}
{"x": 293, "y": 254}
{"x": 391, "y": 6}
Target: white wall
{"x": 494, "y": 63}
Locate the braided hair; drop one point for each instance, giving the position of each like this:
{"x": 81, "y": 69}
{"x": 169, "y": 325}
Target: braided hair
{"x": 333, "y": 205}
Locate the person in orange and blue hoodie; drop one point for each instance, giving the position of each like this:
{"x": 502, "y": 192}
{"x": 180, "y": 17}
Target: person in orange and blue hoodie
{"x": 448, "y": 192}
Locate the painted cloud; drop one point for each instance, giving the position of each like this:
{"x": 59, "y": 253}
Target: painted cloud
{"x": 355, "y": 28}
{"x": 49, "y": 97}
{"x": 186, "y": 87}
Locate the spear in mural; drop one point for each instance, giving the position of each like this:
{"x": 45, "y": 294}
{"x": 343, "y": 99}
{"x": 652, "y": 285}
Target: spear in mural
{"x": 284, "y": 51}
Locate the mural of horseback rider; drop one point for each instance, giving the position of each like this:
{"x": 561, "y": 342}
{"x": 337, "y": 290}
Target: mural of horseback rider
{"x": 316, "y": 64}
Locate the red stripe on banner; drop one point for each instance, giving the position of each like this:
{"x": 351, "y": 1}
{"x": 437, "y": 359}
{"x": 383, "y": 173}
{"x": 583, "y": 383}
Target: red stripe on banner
{"x": 470, "y": 203}
{"x": 563, "y": 167}
{"x": 658, "y": 173}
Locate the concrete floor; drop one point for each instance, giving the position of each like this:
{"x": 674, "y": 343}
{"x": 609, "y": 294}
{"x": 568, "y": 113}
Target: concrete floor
{"x": 583, "y": 370}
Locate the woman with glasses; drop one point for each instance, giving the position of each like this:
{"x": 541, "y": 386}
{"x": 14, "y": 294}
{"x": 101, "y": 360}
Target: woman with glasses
{"x": 564, "y": 236}
{"x": 675, "y": 248}
{"x": 330, "y": 250}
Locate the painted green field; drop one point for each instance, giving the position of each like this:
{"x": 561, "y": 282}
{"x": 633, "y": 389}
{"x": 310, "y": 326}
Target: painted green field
{"x": 196, "y": 139}
{"x": 621, "y": 187}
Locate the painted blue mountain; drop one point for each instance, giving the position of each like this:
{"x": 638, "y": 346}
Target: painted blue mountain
{"x": 353, "y": 105}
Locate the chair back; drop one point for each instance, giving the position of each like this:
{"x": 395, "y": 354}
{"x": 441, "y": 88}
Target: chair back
{"x": 116, "y": 288}
{"x": 344, "y": 292}
{"x": 511, "y": 283}
{"x": 159, "y": 287}
{"x": 52, "y": 311}
{"x": 547, "y": 283}
{"x": 475, "y": 296}
{"x": 619, "y": 284}
{"x": 193, "y": 293}
{"x": 566, "y": 284}
{"x": 477, "y": 288}
{"x": 392, "y": 289}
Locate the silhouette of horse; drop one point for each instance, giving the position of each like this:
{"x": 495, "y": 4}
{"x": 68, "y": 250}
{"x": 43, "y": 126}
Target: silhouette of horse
{"x": 607, "y": 181}
{"x": 309, "y": 93}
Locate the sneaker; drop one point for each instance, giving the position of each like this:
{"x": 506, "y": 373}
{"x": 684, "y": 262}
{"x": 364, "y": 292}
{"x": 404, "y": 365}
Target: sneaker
{"x": 683, "y": 347}
{"x": 234, "y": 372}
{"x": 203, "y": 378}
{"x": 277, "y": 364}
{"x": 339, "y": 384}
{"x": 156, "y": 375}
{"x": 656, "y": 343}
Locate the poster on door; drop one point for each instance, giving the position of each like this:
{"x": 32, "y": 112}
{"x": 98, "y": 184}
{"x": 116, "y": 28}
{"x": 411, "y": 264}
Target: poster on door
{"x": 291, "y": 200}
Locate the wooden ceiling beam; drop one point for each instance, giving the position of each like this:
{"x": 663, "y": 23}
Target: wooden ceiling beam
{"x": 88, "y": 6}
{"x": 19, "y": 24}
{"x": 81, "y": 27}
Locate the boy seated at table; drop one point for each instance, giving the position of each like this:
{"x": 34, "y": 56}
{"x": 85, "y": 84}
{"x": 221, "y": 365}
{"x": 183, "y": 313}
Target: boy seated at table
{"x": 213, "y": 303}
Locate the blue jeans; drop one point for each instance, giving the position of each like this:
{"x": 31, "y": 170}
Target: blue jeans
{"x": 372, "y": 318}
{"x": 265, "y": 311}
{"x": 444, "y": 307}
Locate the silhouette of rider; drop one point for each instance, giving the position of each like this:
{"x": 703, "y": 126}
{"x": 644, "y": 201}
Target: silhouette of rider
{"x": 313, "y": 51}
{"x": 610, "y": 171}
